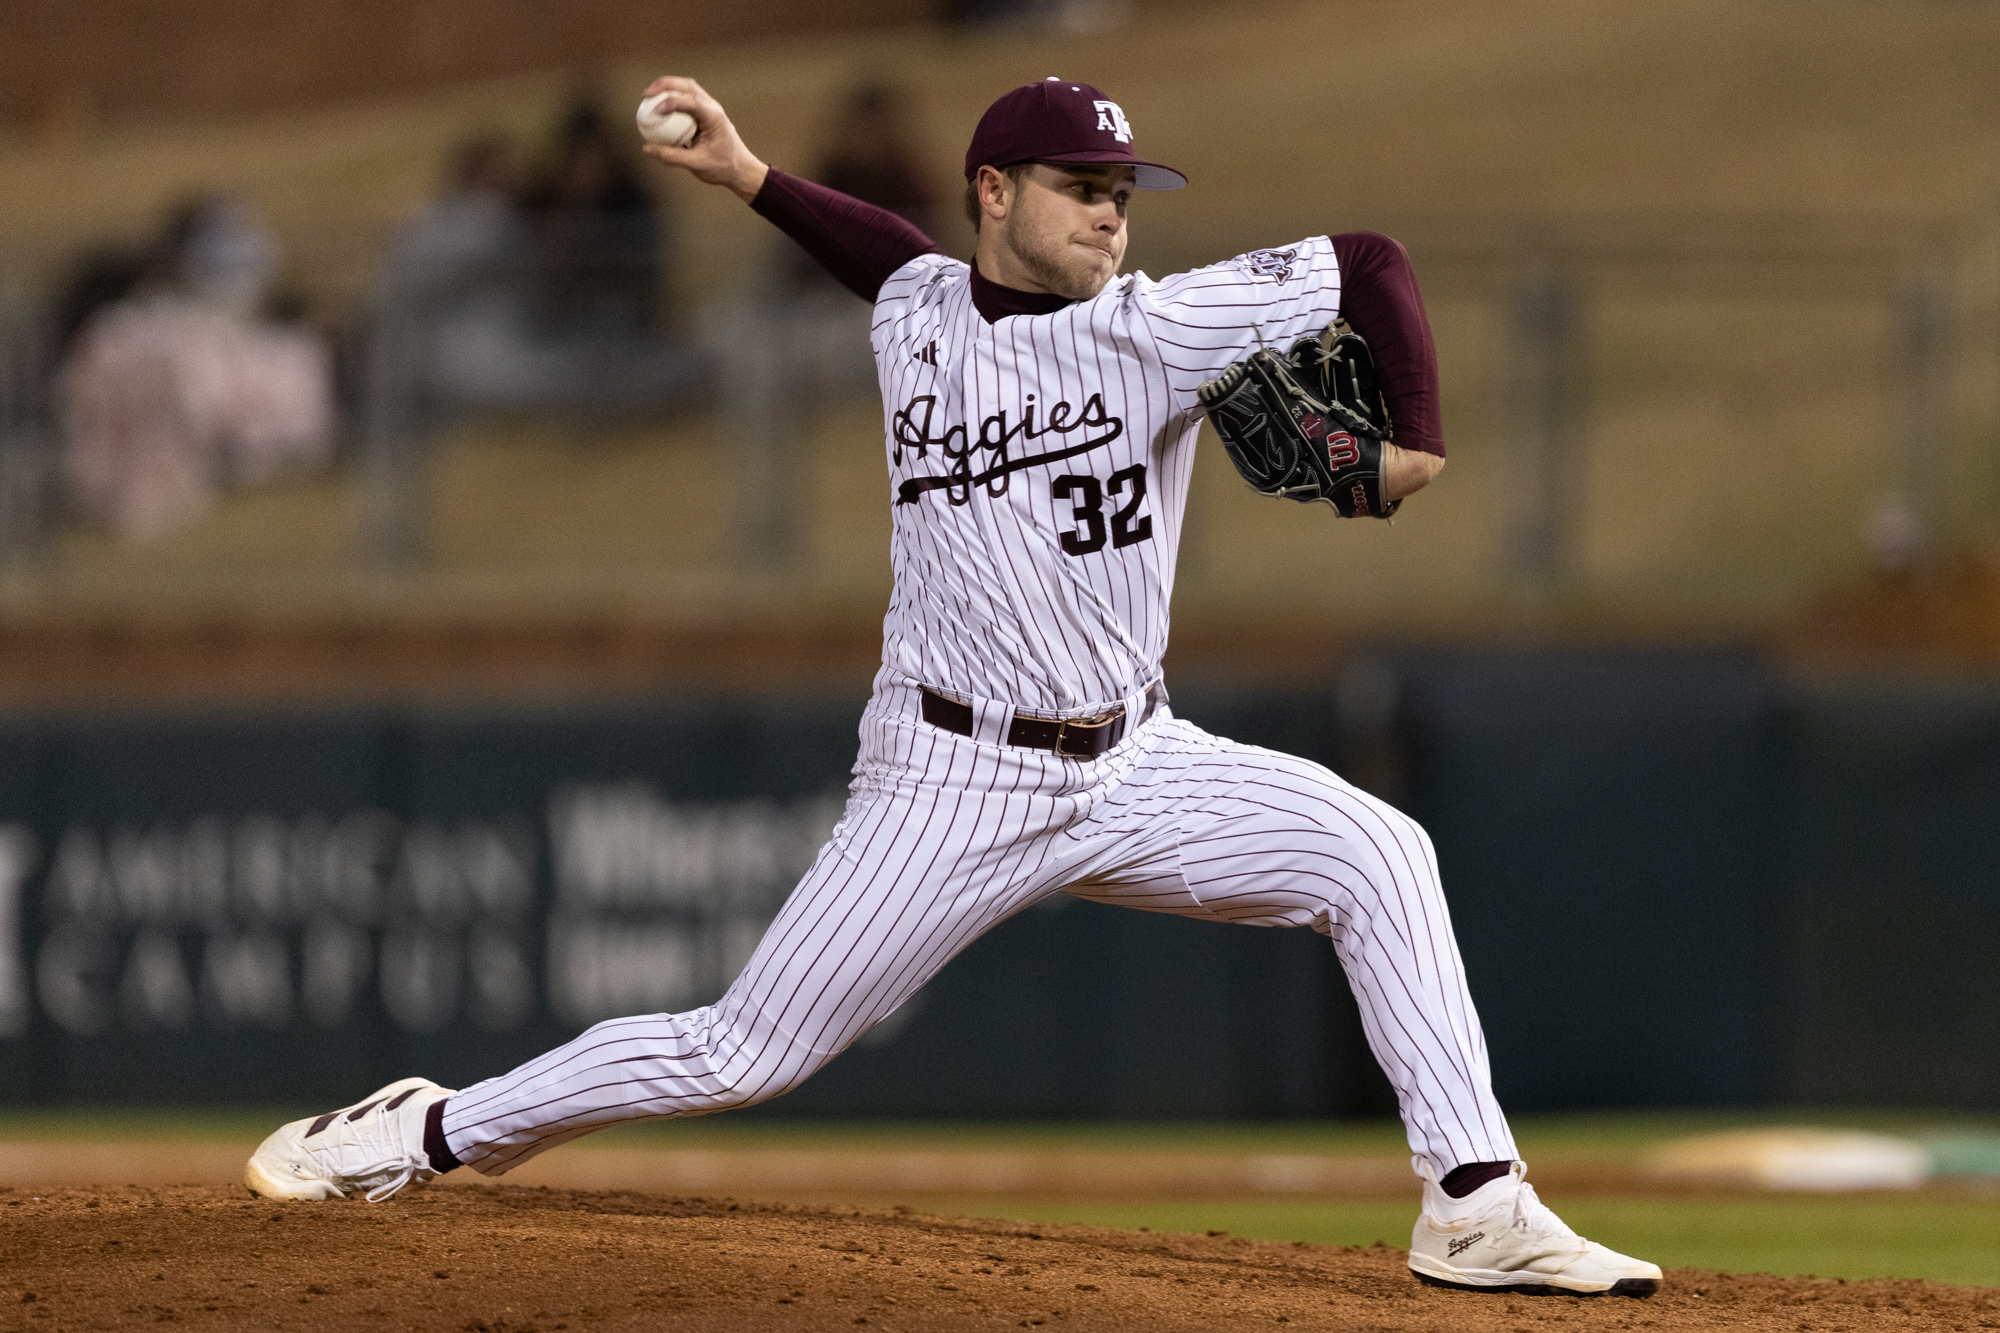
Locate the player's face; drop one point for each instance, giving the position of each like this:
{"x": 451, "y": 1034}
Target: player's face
{"x": 1067, "y": 226}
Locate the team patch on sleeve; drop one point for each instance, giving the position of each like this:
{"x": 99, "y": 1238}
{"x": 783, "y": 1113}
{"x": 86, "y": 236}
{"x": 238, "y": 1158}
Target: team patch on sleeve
{"x": 1274, "y": 264}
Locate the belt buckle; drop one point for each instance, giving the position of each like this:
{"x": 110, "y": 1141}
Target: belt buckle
{"x": 1084, "y": 724}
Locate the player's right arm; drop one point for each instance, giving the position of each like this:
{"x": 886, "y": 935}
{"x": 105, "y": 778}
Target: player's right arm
{"x": 718, "y": 155}
{"x": 858, "y": 243}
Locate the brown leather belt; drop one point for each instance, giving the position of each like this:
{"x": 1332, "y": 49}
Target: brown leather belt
{"x": 1070, "y": 737}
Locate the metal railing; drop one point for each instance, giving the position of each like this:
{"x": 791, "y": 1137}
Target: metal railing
{"x": 29, "y": 455}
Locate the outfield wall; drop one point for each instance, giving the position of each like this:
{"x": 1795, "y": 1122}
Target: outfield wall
{"x": 1676, "y": 881}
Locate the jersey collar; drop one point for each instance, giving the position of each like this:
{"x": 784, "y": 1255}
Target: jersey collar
{"x": 995, "y": 303}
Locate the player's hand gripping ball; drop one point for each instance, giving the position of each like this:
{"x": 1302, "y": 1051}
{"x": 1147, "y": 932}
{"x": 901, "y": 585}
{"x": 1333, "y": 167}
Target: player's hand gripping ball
{"x": 670, "y": 129}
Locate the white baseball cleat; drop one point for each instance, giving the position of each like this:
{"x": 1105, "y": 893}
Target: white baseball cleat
{"x": 375, "y": 1146}
{"x": 1501, "y": 1237}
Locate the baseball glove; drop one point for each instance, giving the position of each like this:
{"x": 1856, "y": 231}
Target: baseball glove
{"x": 1309, "y": 425}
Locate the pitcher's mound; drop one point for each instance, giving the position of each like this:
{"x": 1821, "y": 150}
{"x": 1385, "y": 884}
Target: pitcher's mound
{"x": 506, "y": 1260}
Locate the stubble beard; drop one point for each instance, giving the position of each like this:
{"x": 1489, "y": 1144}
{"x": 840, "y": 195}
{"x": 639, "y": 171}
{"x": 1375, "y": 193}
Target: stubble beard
{"x": 1055, "y": 266}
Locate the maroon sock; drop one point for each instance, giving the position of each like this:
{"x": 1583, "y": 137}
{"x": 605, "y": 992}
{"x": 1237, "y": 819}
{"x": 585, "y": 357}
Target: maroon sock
{"x": 1458, "y": 1182}
{"x": 440, "y": 1151}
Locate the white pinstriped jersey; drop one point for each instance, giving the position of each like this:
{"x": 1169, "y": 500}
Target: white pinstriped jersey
{"x": 1039, "y": 466}
{"x": 1038, "y": 469}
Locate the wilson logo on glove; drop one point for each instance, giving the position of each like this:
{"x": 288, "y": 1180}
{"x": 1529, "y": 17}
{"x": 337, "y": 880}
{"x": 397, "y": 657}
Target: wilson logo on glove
{"x": 1273, "y": 412}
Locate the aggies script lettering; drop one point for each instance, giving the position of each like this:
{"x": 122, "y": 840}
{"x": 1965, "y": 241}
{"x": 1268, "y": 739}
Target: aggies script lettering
{"x": 911, "y": 429}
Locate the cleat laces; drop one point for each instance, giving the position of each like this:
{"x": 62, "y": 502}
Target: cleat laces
{"x": 368, "y": 1154}
{"x": 1538, "y": 1223}
{"x": 405, "y": 1172}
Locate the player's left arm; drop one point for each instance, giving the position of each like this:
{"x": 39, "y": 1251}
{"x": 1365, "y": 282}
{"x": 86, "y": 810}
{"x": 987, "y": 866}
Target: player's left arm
{"x": 1407, "y": 471}
{"x": 1379, "y": 297}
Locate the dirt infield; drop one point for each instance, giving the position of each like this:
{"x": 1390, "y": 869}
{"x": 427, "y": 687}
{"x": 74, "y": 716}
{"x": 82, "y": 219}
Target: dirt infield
{"x": 508, "y": 1260}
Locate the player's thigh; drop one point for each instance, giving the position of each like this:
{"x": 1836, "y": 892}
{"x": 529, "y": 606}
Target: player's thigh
{"x": 906, "y": 883}
{"x": 1240, "y": 833}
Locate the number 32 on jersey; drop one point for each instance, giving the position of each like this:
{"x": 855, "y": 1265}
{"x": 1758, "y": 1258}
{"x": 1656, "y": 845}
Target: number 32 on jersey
{"x": 1087, "y": 496}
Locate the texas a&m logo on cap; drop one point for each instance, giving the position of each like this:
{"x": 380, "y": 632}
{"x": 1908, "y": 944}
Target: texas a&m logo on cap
{"x": 1066, "y": 124}
{"x": 1111, "y": 116}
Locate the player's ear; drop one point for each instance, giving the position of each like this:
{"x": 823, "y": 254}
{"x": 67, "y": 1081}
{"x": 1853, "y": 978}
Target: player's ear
{"x": 996, "y": 193}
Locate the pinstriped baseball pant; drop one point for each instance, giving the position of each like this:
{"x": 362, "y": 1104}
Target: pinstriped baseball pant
{"x": 945, "y": 837}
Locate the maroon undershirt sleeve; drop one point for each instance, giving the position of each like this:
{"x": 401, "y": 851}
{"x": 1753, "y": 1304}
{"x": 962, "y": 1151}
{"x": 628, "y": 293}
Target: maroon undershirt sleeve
{"x": 859, "y": 244}
{"x": 1379, "y": 297}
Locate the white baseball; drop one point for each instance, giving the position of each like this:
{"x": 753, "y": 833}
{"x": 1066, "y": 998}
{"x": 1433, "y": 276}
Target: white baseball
{"x": 674, "y": 129}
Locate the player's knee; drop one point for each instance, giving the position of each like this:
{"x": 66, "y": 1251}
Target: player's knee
{"x": 1404, "y": 828}
{"x": 765, "y": 1062}
{"x": 1396, "y": 826}
{"x": 1353, "y": 864}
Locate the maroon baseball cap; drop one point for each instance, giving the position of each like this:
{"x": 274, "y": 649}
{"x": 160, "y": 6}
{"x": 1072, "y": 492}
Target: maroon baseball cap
{"x": 1059, "y": 121}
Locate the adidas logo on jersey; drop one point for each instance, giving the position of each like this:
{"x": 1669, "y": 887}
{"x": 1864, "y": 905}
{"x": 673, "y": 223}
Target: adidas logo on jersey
{"x": 926, "y": 354}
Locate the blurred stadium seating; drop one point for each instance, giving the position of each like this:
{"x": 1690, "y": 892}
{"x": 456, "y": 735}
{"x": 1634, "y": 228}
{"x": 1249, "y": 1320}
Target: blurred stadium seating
{"x": 1710, "y": 282}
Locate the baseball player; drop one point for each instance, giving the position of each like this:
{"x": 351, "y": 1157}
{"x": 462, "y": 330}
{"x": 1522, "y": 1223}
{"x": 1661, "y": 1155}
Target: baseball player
{"x": 1041, "y": 413}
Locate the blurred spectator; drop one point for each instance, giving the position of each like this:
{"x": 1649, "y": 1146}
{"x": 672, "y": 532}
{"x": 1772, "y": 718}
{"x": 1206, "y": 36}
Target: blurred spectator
{"x": 540, "y": 296}
{"x": 596, "y": 237}
{"x": 802, "y": 333}
{"x": 99, "y": 278}
{"x": 869, "y": 153}
{"x": 448, "y": 320}
{"x": 183, "y": 385}
{"x": 472, "y": 240}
